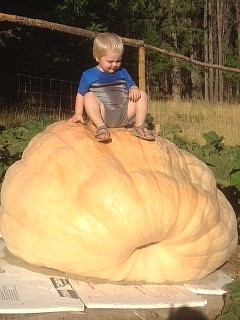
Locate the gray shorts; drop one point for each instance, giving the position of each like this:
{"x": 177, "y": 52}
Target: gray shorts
{"x": 115, "y": 101}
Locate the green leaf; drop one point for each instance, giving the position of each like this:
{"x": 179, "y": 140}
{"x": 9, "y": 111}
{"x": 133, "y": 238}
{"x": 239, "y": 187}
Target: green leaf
{"x": 237, "y": 161}
{"x": 213, "y": 138}
{"x": 235, "y": 180}
{"x": 231, "y": 309}
{"x": 233, "y": 288}
{"x": 227, "y": 316}
{"x": 170, "y": 130}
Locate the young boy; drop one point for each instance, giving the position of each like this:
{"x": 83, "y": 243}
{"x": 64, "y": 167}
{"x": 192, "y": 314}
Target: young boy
{"x": 109, "y": 95}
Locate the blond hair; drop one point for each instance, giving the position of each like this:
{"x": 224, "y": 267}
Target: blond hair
{"x": 106, "y": 42}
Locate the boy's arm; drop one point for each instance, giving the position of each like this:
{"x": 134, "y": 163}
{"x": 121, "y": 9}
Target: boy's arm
{"x": 78, "y": 116}
{"x": 134, "y": 93}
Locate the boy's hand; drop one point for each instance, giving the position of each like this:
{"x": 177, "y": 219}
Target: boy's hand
{"x": 78, "y": 117}
{"x": 134, "y": 94}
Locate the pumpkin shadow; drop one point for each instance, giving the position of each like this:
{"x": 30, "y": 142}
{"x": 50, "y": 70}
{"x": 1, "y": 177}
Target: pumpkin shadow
{"x": 186, "y": 313}
{"x": 233, "y": 196}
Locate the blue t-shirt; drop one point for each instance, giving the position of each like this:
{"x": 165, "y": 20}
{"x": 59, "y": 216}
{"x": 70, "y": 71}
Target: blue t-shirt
{"x": 95, "y": 78}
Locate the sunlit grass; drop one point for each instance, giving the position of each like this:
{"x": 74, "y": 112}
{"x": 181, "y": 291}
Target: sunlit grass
{"x": 13, "y": 116}
{"x": 197, "y": 118}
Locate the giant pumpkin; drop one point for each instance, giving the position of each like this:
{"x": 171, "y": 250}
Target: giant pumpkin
{"x": 130, "y": 209}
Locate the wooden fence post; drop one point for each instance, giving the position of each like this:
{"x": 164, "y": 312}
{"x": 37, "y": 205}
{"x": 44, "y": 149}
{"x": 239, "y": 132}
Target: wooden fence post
{"x": 141, "y": 68}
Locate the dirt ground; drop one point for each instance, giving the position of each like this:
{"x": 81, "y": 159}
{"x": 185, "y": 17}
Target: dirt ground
{"x": 209, "y": 312}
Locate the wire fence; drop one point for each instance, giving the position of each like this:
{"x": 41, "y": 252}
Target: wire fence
{"x": 46, "y": 95}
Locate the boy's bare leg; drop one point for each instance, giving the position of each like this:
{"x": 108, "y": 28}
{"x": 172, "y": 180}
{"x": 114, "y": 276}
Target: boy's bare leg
{"x": 139, "y": 111}
{"x": 95, "y": 110}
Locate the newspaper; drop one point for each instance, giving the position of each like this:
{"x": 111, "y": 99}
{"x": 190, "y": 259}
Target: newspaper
{"x": 38, "y": 294}
{"x": 136, "y": 296}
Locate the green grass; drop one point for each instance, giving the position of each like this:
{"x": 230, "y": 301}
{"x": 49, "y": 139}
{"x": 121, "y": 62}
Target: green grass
{"x": 197, "y": 118}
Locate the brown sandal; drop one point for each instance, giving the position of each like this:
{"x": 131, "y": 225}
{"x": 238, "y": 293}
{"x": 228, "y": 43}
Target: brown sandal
{"x": 143, "y": 133}
{"x": 103, "y": 135}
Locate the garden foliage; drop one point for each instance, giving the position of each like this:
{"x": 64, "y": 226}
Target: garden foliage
{"x": 231, "y": 309}
{"x": 223, "y": 160}
{"x": 13, "y": 141}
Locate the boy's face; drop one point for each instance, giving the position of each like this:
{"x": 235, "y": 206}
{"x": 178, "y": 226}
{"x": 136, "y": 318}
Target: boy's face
{"x": 110, "y": 62}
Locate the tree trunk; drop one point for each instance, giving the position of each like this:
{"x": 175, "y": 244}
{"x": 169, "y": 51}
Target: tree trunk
{"x": 220, "y": 53}
{"x": 237, "y": 91}
{"x": 238, "y": 24}
{"x": 195, "y": 92}
{"x": 210, "y": 53}
{"x": 176, "y": 79}
{"x": 206, "y": 59}
{"x": 196, "y": 84}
